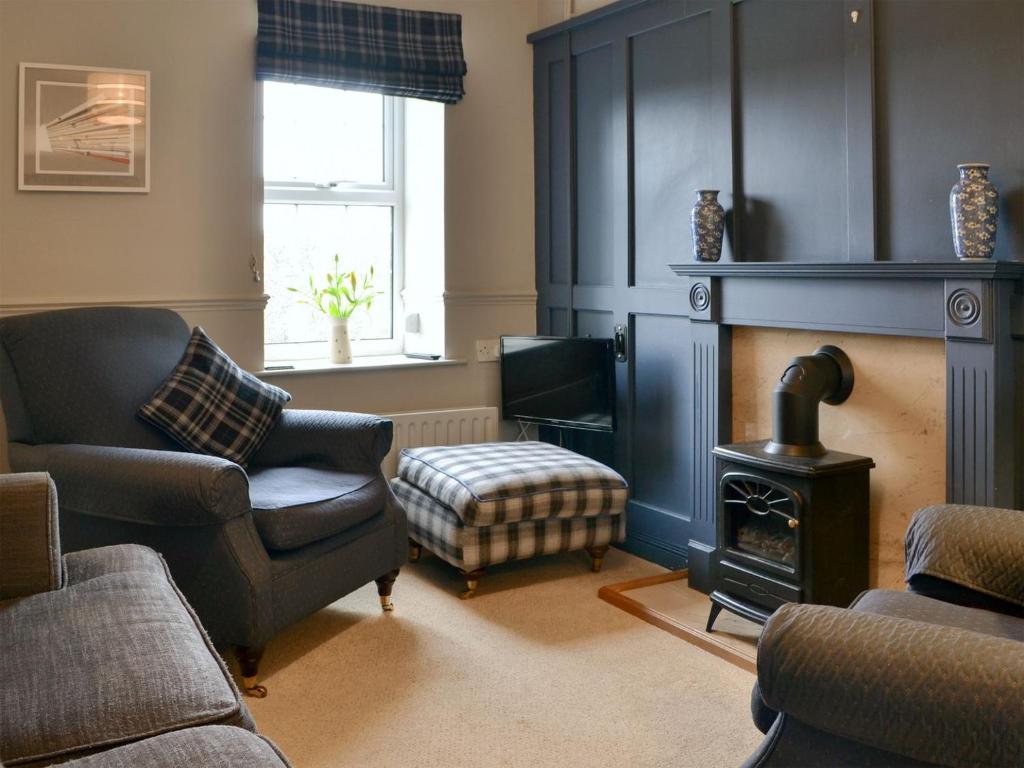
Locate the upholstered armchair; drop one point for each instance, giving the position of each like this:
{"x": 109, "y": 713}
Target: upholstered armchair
{"x": 254, "y": 549}
{"x": 931, "y": 676}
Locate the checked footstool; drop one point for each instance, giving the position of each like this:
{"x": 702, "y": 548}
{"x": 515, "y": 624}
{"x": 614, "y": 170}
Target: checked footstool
{"x": 487, "y": 503}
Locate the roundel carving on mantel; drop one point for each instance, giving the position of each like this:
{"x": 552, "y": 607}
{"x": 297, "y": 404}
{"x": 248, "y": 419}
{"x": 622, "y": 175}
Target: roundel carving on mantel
{"x": 700, "y": 297}
{"x": 963, "y": 307}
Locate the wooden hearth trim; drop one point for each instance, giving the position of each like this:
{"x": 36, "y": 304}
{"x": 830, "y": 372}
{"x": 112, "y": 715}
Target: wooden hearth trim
{"x": 615, "y": 594}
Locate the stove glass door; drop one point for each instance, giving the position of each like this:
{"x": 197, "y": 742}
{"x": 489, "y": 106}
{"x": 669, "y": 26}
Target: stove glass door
{"x": 760, "y": 518}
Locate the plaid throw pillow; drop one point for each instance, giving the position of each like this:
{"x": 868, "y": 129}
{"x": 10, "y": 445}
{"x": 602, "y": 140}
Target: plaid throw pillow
{"x": 210, "y": 405}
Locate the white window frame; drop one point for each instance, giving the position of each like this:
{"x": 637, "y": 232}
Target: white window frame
{"x": 390, "y": 192}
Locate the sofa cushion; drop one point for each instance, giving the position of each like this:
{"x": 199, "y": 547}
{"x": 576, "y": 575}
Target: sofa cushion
{"x": 209, "y": 405}
{"x": 109, "y": 659}
{"x": 295, "y": 506}
{"x": 907, "y": 605}
{"x": 211, "y": 746}
{"x": 494, "y": 483}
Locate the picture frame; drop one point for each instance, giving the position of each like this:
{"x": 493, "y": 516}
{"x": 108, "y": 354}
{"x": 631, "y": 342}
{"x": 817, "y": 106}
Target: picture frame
{"x": 83, "y": 129}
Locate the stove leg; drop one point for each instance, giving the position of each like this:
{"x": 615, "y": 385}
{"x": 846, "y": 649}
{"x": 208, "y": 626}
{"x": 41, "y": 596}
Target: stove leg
{"x": 715, "y": 610}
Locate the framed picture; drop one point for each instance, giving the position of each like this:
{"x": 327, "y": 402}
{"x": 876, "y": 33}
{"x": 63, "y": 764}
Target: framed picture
{"x": 83, "y": 129}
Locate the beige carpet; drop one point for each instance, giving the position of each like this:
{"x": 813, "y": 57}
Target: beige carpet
{"x": 534, "y": 671}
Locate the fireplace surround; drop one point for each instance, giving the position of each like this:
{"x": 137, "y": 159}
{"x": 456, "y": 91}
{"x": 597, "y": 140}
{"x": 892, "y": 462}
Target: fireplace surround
{"x": 976, "y": 308}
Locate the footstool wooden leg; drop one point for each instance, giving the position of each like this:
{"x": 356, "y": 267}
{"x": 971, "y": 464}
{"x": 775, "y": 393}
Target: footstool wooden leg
{"x": 384, "y": 586}
{"x": 472, "y": 580}
{"x": 597, "y": 557}
{"x": 415, "y": 551}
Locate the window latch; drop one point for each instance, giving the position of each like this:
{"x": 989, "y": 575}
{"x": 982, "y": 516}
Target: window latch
{"x": 325, "y": 184}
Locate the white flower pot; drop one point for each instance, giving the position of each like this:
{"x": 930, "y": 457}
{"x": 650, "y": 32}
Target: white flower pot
{"x": 341, "y": 343}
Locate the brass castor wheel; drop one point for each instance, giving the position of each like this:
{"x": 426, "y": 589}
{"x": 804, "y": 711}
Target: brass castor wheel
{"x": 384, "y": 586}
{"x": 472, "y": 582}
{"x": 597, "y": 557}
{"x": 248, "y": 665}
{"x": 251, "y": 688}
{"x": 415, "y": 551}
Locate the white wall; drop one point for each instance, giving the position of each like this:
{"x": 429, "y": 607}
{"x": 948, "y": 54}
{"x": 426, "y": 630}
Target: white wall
{"x": 191, "y": 238}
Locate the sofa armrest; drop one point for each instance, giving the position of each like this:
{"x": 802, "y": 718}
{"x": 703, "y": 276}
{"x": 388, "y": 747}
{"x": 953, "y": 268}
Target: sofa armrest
{"x": 30, "y": 560}
{"x": 932, "y": 693}
{"x": 337, "y": 439}
{"x": 980, "y": 548}
{"x": 140, "y": 485}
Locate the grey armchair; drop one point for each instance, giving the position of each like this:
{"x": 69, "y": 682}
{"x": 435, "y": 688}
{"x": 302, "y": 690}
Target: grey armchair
{"x": 254, "y": 550}
{"x": 932, "y": 676}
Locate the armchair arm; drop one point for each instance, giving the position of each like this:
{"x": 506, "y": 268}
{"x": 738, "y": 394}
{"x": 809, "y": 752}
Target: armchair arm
{"x": 30, "y": 560}
{"x": 140, "y": 485}
{"x": 342, "y": 440}
{"x": 932, "y": 693}
{"x": 981, "y": 548}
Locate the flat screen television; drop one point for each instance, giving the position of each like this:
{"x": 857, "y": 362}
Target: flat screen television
{"x": 559, "y": 382}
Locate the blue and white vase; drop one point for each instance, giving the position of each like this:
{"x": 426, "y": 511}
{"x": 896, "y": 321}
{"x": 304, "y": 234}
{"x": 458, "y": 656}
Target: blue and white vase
{"x": 707, "y": 223}
{"x": 974, "y": 211}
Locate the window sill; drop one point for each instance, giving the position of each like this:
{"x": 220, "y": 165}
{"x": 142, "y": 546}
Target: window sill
{"x": 369, "y": 363}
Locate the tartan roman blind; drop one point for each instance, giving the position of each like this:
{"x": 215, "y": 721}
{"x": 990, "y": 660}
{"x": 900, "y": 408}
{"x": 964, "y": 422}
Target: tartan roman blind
{"x": 361, "y": 47}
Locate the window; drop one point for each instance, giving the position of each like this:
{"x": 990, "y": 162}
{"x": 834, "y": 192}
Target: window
{"x": 333, "y": 184}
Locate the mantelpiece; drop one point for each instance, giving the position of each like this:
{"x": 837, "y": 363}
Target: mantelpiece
{"x": 977, "y": 308}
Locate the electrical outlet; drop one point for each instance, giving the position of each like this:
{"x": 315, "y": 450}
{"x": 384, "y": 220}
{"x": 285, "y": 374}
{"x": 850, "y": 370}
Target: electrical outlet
{"x": 487, "y": 350}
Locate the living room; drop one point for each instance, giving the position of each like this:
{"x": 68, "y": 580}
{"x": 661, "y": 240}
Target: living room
{"x": 402, "y": 238}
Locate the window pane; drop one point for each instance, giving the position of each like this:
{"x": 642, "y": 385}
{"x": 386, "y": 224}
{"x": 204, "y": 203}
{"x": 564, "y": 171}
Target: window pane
{"x": 322, "y": 134}
{"x": 301, "y": 240}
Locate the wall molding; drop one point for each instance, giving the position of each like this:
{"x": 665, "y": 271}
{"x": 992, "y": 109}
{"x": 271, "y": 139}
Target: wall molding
{"x": 477, "y": 298}
{"x": 222, "y": 304}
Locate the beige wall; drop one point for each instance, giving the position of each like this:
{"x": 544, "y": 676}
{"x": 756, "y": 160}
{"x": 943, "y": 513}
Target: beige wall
{"x": 554, "y": 11}
{"x": 896, "y": 415}
{"x": 191, "y": 238}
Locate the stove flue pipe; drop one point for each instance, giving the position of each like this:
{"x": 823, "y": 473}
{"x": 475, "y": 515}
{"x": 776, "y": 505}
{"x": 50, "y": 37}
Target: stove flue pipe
{"x": 827, "y": 376}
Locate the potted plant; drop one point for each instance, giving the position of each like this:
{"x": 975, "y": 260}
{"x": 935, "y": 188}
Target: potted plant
{"x": 344, "y": 293}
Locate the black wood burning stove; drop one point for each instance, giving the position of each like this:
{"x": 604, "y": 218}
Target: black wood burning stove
{"x": 792, "y": 521}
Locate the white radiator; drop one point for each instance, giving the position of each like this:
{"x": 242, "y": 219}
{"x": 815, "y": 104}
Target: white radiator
{"x": 450, "y": 427}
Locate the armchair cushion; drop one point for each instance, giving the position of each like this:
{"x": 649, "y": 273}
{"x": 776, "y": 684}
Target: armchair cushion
{"x": 29, "y": 540}
{"x": 981, "y": 548}
{"x": 932, "y": 693}
{"x": 209, "y": 405}
{"x": 907, "y": 605}
{"x": 295, "y": 506}
{"x": 112, "y": 658}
